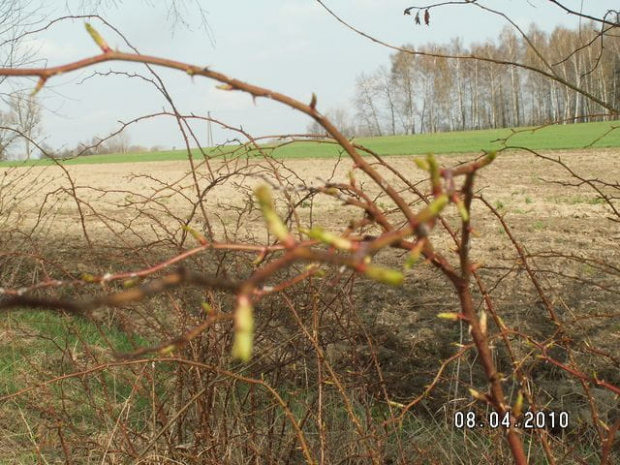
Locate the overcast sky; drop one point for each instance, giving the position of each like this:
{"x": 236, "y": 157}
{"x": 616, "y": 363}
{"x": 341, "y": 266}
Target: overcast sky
{"x": 293, "y": 46}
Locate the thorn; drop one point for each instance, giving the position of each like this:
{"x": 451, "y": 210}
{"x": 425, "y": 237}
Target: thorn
{"x": 39, "y": 86}
{"x": 313, "y": 101}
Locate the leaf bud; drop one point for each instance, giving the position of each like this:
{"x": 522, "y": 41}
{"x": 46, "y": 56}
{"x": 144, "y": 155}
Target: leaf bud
{"x": 385, "y": 275}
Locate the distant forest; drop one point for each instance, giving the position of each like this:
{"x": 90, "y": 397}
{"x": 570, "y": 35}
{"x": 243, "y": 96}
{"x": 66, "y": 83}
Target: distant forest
{"x": 429, "y": 92}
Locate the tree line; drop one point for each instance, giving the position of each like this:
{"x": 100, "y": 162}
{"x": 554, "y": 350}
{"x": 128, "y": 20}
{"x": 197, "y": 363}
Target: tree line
{"x": 424, "y": 90}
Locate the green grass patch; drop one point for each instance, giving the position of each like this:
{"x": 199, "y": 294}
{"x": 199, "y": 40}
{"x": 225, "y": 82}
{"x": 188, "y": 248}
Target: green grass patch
{"x": 168, "y": 155}
{"x": 41, "y": 346}
{"x": 555, "y": 137}
{"x": 48, "y": 337}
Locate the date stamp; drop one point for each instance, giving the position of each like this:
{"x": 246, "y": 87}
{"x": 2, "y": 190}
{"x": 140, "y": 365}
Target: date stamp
{"x": 529, "y": 420}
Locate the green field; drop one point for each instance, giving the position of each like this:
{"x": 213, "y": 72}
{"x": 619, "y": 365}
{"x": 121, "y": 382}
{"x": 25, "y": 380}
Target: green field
{"x": 555, "y": 137}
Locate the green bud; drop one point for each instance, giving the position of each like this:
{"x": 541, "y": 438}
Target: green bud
{"x": 449, "y": 316}
{"x": 168, "y": 350}
{"x": 434, "y": 170}
{"x": 207, "y": 308}
{"x": 477, "y": 395}
{"x": 517, "y": 408}
{"x": 422, "y": 164}
{"x": 491, "y": 156}
{"x": 195, "y": 234}
{"x": 328, "y": 238}
{"x": 244, "y": 330}
{"x": 460, "y": 205}
{"x": 410, "y": 262}
{"x": 274, "y": 223}
{"x": 396, "y": 404}
{"x": 105, "y": 48}
{"x": 385, "y": 275}
{"x": 128, "y": 283}
{"x": 87, "y": 277}
{"x": 433, "y": 209}
{"x": 412, "y": 259}
{"x": 414, "y": 255}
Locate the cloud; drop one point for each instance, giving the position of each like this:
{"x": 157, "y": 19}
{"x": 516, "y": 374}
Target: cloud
{"x": 54, "y": 51}
{"x": 298, "y": 10}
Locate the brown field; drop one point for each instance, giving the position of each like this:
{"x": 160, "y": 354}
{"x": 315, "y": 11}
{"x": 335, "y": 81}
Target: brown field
{"x": 517, "y": 180}
{"x": 58, "y": 222}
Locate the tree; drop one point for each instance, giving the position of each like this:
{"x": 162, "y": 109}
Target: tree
{"x": 117, "y": 143}
{"x": 8, "y": 136}
{"x": 26, "y": 115}
{"x": 367, "y": 102}
{"x": 403, "y": 77}
{"x": 341, "y": 119}
{"x": 567, "y": 76}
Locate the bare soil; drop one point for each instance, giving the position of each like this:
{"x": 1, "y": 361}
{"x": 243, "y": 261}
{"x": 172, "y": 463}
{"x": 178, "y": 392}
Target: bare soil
{"x": 125, "y": 204}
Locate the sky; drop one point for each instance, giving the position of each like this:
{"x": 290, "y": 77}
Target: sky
{"x": 292, "y": 46}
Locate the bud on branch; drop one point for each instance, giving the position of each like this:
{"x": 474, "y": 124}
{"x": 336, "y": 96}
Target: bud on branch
{"x": 244, "y": 329}
{"x": 328, "y": 238}
{"x": 274, "y": 223}
{"x": 103, "y": 45}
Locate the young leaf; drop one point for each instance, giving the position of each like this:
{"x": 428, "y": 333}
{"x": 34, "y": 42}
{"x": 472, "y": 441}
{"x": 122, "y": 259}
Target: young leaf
{"x": 244, "y": 330}
{"x": 385, "y": 275}
{"x": 433, "y": 209}
{"x": 274, "y": 223}
{"x": 453, "y": 316}
{"x": 460, "y": 205}
{"x": 329, "y": 238}
{"x": 195, "y": 234}
{"x": 414, "y": 255}
{"x": 422, "y": 164}
{"x": 518, "y": 406}
{"x": 103, "y": 45}
{"x": 434, "y": 171}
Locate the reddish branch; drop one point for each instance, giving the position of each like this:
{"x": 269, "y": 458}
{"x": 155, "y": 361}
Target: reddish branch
{"x": 118, "y": 299}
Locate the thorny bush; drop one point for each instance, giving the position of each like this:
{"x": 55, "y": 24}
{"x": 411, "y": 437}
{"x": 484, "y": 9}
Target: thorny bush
{"x": 220, "y": 317}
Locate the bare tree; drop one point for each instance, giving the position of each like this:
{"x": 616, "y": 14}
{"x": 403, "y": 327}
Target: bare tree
{"x": 118, "y": 143}
{"x": 519, "y": 78}
{"x": 341, "y": 119}
{"x": 26, "y": 116}
{"x": 8, "y": 136}
{"x": 403, "y": 76}
{"x": 367, "y": 101}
